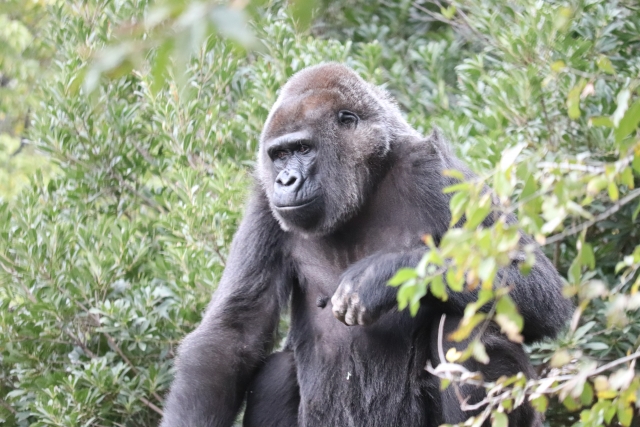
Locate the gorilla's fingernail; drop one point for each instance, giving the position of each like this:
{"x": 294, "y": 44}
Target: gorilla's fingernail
{"x": 322, "y": 301}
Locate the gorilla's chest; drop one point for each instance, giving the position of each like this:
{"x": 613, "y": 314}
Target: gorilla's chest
{"x": 379, "y": 366}
{"x": 320, "y": 261}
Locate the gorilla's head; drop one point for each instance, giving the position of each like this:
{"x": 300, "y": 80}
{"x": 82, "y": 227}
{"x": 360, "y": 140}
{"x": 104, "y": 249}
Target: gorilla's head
{"x": 325, "y": 142}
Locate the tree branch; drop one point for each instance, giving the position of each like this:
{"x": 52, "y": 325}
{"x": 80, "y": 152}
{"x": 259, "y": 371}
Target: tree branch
{"x": 604, "y": 215}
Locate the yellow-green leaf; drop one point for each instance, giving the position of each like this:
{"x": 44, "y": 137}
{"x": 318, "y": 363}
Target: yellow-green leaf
{"x": 573, "y": 100}
{"x": 629, "y": 122}
{"x": 499, "y": 419}
{"x": 557, "y": 66}
{"x": 540, "y": 403}
{"x": 605, "y": 65}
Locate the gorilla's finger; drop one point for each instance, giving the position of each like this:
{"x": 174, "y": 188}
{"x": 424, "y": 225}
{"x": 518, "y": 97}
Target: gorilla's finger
{"x": 352, "y": 311}
{"x": 364, "y": 318}
{"x": 350, "y": 317}
{"x": 339, "y": 307}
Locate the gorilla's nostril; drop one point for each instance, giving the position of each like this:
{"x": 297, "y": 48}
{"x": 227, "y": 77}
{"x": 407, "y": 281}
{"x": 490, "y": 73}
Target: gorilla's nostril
{"x": 287, "y": 179}
{"x": 290, "y": 180}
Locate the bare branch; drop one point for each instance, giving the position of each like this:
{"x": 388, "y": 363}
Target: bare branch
{"x": 604, "y": 215}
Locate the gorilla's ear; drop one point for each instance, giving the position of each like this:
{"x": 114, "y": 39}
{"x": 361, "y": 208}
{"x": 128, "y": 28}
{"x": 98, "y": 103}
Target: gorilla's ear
{"x": 439, "y": 146}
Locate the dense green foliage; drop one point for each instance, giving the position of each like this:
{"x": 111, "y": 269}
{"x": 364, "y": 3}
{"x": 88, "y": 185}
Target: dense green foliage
{"x": 105, "y": 267}
{"x": 23, "y": 57}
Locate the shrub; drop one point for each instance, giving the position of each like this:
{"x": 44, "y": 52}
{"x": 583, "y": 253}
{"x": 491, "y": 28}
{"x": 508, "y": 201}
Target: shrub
{"x": 105, "y": 267}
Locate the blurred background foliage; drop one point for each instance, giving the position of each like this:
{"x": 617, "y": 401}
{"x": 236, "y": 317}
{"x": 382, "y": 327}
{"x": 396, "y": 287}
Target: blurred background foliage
{"x": 24, "y": 55}
{"x": 128, "y": 131}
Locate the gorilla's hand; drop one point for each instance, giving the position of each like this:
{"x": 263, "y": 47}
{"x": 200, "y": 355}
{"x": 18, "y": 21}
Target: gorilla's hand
{"x": 349, "y": 306}
{"x": 363, "y": 295}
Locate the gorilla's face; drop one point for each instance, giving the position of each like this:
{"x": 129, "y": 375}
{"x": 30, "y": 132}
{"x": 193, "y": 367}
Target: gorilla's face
{"x": 322, "y": 148}
{"x": 300, "y": 169}
{"x": 297, "y": 195}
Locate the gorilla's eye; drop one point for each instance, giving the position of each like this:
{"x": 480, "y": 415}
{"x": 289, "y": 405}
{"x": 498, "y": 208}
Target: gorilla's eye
{"x": 304, "y": 149}
{"x": 281, "y": 154}
{"x": 348, "y": 118}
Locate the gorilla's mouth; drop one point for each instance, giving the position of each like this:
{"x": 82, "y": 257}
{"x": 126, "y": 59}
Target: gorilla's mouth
{"x": 303, "y": 204}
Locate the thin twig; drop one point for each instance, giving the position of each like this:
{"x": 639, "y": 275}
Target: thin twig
{"x": 79, "y": 343}
{"x": 440, "y": 336}
{"x": 594, "y": 169}
{"x": 603, "y": 368}
{"x": 8, "y": 407}
{"x": 496, "y": 395}
{"x": 604, "y": 215}
{"x": 149, "y": 202}
{"x": 151, "y": 405}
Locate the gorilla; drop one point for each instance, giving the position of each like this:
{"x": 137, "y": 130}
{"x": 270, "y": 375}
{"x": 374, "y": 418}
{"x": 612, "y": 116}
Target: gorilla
{"x": 346, "y": 189}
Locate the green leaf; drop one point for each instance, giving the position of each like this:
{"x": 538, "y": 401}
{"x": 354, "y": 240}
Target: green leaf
{"x": 467, "y": 325}
{"x": 612, "y": 189}
{"x": 405, "y": 293}
{"x": 540, "y": 403}
{"x": 560, "y": 358}
{"x": 636, "y": 163}
{"x": 479, "y": 352}
{"x": 636, "y": 211}
{"x": 457, "y": 206}
{"x": 601, "y": 121}
{"x": 562, "y": 18}
{"x": 448, "y": 12}
{"x": 488, "y": 269}
{"x": 461, "y": 186}
{"x": 530, "y": 187}
{"x": 609, "y": 413}
{"x": 453, "y": 173}
{"x": 438, "y": 289}
{"x": 499, "y": 419}
{"x": 626, "y": 177}
{"x": 506, "y": 306}
{"x": 402, "y": 275}
{"x": 596, "y": 184}
{"x": 622, "y": 100}
{"x": 571, "y": 404}
{"x": 302, "y": 12}
{"x": 573, "y": 100}
{"x": 587, "y": 256}
{"x": 587, "y": 394}
{"x": 160, "y": 64}
{"x": 625, "y": 415}
{"x": 575, "y": 272}
{"x": 604, "y": 64}
{"x": 629, "y": 122}
{"x": 477, "y": 213}
{"x": 557, "y": 66}
{"x": 509, "y": 156}
{"x": 454, "y": 282}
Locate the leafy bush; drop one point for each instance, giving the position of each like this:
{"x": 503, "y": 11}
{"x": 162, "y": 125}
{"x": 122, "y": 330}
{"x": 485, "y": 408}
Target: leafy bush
{"x": 23, "y": 55}
{"x": 107, "y": 266}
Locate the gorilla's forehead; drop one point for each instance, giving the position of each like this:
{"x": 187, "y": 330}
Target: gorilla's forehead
{"x": 296, "y": 111}
{"x": 325, "y": 76}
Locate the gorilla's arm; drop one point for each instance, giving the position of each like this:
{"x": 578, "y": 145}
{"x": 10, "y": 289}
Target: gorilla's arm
{"x": 538, "y": 296}
{"x": 363, "y": 296}
{"x": 218, "y": 359}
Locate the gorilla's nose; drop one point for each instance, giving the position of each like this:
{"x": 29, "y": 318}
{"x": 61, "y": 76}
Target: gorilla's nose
{"x": 290, "y": 179}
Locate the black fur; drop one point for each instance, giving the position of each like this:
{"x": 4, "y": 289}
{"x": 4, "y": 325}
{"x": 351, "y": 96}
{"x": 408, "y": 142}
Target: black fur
{"x": 347, "y": 189}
